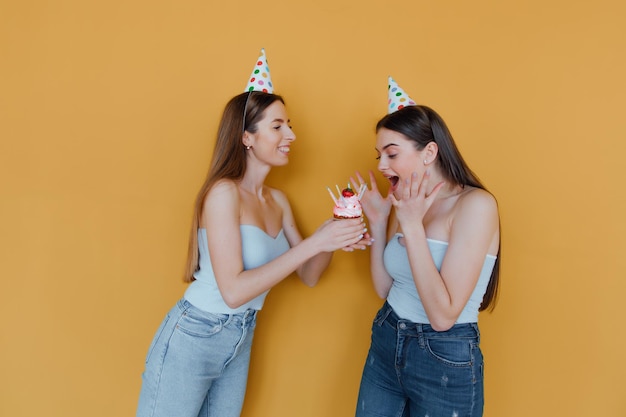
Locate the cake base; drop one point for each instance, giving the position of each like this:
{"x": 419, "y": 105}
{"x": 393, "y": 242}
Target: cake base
{"x": 345, "y": 217}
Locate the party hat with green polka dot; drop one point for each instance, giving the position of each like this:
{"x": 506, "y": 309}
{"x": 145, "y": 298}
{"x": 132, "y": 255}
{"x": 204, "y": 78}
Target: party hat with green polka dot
{"x": 397, "y": 98}
{"x": 260, "y": 79}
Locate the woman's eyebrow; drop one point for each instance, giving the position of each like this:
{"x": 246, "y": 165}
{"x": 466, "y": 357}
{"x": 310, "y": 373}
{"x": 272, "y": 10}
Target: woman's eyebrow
{"x": 388, "y": 145}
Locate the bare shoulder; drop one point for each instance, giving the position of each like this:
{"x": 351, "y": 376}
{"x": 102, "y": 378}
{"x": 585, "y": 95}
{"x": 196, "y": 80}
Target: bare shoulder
{"x": 476, "y": 199}
{"x": 287, "y": 219}
{"x": 279, "y": 196}
{"x": 223, "y": 196}
{"x": 476, "y": 219}
{"x": 223, "y": 186}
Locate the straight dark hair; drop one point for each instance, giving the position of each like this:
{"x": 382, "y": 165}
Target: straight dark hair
{"x": 423, "y": 125}
{"x": 229, "y": 156}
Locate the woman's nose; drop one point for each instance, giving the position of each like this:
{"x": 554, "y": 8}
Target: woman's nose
{"x": 381, "y": 165}
{"x": 290, "y": 134}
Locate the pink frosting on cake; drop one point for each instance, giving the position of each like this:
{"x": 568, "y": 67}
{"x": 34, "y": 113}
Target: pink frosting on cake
{"x": 348, "y": 208}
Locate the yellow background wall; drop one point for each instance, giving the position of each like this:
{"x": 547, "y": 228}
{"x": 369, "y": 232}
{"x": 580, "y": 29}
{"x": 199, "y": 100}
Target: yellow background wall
{"x": 108, "y": 111}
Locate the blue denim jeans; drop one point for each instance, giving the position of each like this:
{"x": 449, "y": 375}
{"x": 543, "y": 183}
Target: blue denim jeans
{"x": 413, "y": 370}
{"x": 197, "y": 364}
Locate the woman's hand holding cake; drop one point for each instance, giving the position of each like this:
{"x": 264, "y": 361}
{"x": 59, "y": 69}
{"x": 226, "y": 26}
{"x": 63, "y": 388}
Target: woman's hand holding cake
{"x": 348, "y": 206}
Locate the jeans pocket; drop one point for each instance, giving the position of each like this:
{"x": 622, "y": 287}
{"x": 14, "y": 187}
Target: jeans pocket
{"x": 451, "y": 351}
{"x": 204, "y": 325}
{"x": 157, "y": 336}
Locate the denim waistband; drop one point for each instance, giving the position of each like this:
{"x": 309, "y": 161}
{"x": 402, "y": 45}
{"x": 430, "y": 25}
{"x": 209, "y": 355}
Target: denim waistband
{"x": 386, "y": 314}
{"x": 244, "y": 317}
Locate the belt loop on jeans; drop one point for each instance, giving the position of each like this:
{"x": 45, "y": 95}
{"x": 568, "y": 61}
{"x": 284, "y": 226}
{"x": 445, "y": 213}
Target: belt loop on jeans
{"x": 249, "y": 316}
{"x": 476, "y": 329}
{"x": 183, "y": 305}
{"x": 421, "y": 340}
{"x": 387, "y": 312}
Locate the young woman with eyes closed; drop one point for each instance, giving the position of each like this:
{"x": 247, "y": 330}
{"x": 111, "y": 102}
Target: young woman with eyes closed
{"x": 435, "y": 259}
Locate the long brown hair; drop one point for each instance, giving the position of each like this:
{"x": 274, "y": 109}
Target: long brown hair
{"x": 423, "y": 125}
{"x": 229, "y": 156}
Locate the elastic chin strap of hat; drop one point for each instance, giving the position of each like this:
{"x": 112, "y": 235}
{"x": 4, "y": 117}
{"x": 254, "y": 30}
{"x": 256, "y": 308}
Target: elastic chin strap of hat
{"x": 245, "y": 109}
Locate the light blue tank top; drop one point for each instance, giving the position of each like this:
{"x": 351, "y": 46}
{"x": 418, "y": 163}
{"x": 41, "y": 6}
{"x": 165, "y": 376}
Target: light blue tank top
{"x": 257, "y": 248}
{"x": 403, "y": 296}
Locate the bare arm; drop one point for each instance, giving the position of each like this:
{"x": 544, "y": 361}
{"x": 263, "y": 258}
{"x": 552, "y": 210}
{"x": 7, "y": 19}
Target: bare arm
{"x": 238, "y": 286}
{"x": 377, "y": 210}
{"x": 311, "y": 270}
{"x": 473, "y": 231}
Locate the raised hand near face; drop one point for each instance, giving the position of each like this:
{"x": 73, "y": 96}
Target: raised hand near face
{"x": 413, "y": 199}
{"x": 375, "y": 206}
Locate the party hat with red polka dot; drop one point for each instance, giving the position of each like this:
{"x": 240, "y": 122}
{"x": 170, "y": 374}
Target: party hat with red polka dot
{"x": 397, "y": 98}
{"x": 260, "y": 79}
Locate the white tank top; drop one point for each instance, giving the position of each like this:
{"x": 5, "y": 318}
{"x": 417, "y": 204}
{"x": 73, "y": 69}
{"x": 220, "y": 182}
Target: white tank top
{"x": 403, "y": 296}
{"x": 257, "y": 248}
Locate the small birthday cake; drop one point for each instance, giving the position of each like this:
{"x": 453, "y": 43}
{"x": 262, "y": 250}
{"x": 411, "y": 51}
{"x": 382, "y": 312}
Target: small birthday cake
{"x": 348, "y": 204}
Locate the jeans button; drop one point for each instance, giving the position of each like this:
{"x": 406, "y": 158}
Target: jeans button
{"x": 402, "y": 326}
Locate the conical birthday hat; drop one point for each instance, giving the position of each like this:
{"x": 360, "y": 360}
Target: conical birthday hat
{"x": 397, "y": 98}
{"x": 260, "y": 79}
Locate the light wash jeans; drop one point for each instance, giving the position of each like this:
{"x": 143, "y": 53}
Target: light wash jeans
{"x": 414, "y": 371}
{"x": 197, "y": 364}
